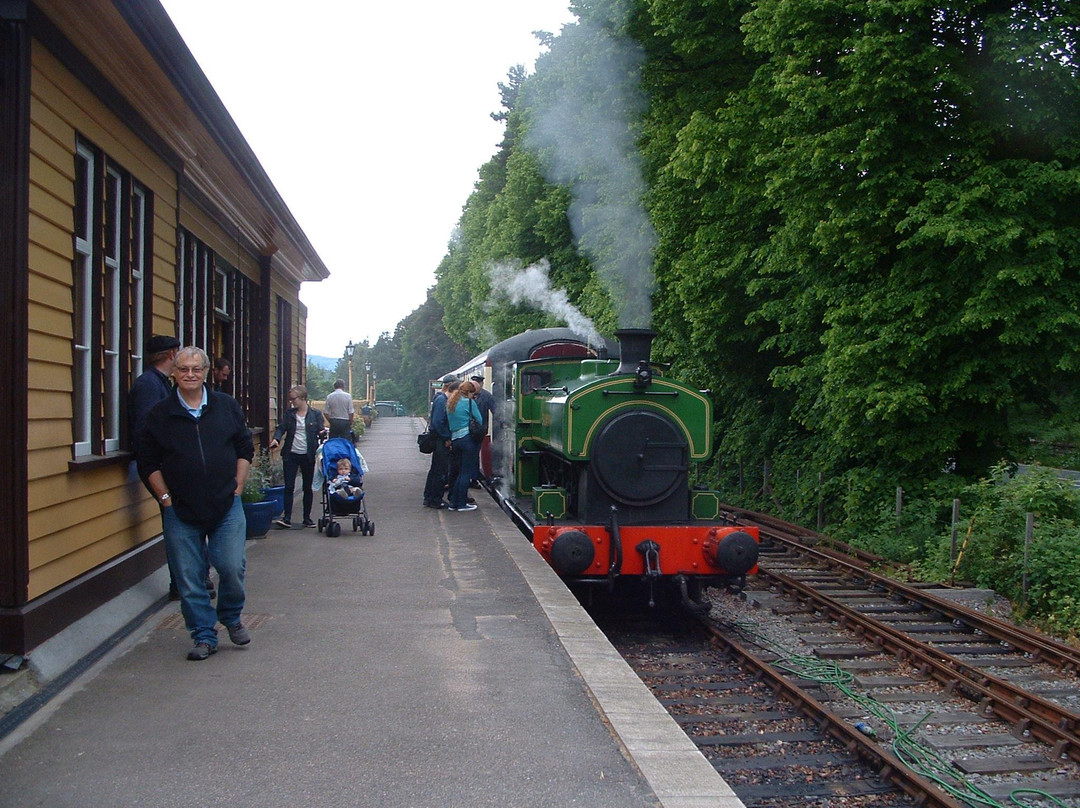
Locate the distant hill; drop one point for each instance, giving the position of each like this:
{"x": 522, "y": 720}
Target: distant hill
{"x": 324, "y": 362}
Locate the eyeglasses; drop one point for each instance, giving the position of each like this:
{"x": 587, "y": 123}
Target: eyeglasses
{"x": 191, "y": 370}
{"x": 292, "y": 399}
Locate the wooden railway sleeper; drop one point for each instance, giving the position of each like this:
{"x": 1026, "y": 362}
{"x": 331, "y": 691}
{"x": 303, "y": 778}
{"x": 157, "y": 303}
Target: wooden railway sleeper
{"x": 966, "y": 680}
{"x": 892, "y": 770}
{"x": 1052, "y": 652}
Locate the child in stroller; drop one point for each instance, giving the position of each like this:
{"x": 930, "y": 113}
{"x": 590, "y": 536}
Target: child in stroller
{"x": 339, "y": 471}
{"x": 346, "y": 483}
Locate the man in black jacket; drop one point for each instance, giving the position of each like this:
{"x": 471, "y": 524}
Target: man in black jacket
{"x": 194, "y": 454}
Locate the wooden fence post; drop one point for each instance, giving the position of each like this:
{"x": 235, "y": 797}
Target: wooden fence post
{"x": 955, "y": 521}
{"x": 820, "y": 502}
{"x": 1029, "y": 533}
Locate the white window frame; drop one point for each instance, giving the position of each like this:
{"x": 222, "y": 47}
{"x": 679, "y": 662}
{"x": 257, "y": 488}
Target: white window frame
{"x": 112, "y": 236}
{"x": 138, "y": 277}
{"x": 222, "y": 280}
{"x": 84, "y": 297}
{"x": 110, "y": 403}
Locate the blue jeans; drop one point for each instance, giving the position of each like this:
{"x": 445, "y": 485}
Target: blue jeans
{"x": 469, "y": 451}
{"x": 187, "y": 546}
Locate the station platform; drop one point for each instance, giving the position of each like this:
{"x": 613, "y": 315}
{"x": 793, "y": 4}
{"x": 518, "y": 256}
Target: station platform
{"x": 437, "y": 663}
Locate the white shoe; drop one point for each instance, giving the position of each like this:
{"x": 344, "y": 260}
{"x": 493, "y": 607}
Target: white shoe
{"x": 465, "y": 508}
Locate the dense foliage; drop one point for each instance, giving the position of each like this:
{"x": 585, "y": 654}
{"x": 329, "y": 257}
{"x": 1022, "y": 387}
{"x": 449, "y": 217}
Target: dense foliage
{"x": 989, "y": 546}
{"x": 864, "y": 230}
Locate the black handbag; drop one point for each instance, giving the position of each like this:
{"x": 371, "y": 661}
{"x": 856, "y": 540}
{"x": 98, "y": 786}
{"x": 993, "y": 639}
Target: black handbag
{"x": 476, "y": 429}
{"x": 426, "y": 442}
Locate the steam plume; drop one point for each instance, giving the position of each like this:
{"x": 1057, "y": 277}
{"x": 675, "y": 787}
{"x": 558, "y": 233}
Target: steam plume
{"x": 532, "y": 286}
{"x": 585, "y": 100}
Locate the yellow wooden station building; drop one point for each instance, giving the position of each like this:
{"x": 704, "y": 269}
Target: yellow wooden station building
{"x": 130, "y": 205}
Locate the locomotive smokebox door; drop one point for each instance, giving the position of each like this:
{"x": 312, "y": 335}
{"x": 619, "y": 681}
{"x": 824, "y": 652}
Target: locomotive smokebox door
{"x": 640, "y": 461}
{"x": 640, "y": 458}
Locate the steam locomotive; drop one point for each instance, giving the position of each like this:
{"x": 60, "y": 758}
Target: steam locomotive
{"x": 589, "y": 453}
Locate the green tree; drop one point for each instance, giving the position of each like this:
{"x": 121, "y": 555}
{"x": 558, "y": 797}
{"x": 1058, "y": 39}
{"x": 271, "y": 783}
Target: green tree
{"x": 877, "y": 207}
{"x": 427, "y": 352}
{"x": 320, "y": 382}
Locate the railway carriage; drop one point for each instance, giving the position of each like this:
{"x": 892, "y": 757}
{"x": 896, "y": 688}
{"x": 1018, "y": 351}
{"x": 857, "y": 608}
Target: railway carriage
{"x": 590, "y": 451}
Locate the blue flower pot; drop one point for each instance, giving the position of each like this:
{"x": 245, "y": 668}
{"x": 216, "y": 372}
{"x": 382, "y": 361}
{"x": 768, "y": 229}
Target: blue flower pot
{"x": 276, "y": 493}
{"x": 259, "y": 516}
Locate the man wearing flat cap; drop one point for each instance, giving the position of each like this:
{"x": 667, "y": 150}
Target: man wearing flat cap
{"x": 485, "y": 402}
{"x": 440, "y": 458}
{"x": 153, "y": 385}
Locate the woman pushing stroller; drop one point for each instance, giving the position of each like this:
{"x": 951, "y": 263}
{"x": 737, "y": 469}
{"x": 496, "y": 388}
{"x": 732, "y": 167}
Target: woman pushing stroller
{"x": 300, "y": 429}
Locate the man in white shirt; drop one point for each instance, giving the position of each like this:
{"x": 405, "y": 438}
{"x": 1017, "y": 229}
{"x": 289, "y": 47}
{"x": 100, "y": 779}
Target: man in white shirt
{"x": 339, "y": 411}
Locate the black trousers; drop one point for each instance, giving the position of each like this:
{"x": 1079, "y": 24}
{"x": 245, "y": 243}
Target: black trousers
{"x": 306, "y": 465}
{"x": 436, "y": 477}
{"x": 340, "y": 427}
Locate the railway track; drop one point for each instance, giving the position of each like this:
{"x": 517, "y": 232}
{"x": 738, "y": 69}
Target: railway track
{"x": 770, "y": 750}
{"x": 826, "y": 683}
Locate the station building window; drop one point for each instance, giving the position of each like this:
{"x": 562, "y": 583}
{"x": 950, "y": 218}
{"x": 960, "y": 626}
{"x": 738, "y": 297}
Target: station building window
{"x": 214, "y": 306}
{"x": 111, "y": 283}
{"x": 284, "y": 352}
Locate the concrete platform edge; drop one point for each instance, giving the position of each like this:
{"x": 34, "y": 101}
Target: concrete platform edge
{"x": 676, "y": 770}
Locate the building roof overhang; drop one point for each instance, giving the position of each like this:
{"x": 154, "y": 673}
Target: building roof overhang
{"x": 137, "y": 50}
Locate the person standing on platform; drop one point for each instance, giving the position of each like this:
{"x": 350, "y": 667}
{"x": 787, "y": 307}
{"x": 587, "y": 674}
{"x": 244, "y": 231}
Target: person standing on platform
{"x": 485, "y": 402}
{"x": 195, "y": 452}
{"x": 300, "y": 427}
{"x": 459, "y": 409}
{"x": 440, "y": 457}
{"x": 340, "y": 411}
{"x": 222, "y": 369}
{"x": 153, "y": 385}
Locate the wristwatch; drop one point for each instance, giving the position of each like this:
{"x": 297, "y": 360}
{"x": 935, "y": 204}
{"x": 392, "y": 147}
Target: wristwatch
{"x": 164, "y": 498}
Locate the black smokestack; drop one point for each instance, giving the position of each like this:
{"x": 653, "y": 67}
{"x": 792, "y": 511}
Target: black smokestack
{"x": 635, "y": 348}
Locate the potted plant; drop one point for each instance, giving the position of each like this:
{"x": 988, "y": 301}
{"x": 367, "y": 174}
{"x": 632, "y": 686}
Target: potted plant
{"x": 275, "y": 480}
{"x": 258, "y": 508}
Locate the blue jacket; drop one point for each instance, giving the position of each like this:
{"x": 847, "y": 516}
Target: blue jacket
{"x": 437, "y": 422}
{"x": 151, "y": 387}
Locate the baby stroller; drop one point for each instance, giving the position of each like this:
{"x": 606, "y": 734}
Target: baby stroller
{"x": 335, "y": 502}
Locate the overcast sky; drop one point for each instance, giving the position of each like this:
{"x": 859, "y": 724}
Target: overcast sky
{"x": 372, "y": 120}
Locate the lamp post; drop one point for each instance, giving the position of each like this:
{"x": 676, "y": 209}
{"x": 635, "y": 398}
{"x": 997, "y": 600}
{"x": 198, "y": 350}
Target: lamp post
{"x": 367, "y": 388}
{"x": 348, "y": 355}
